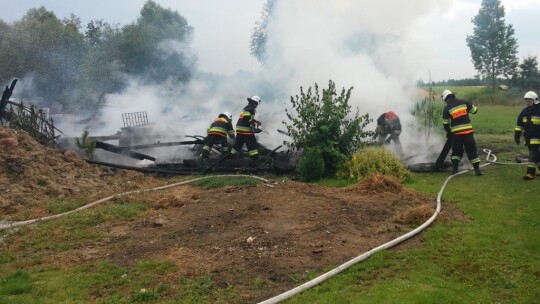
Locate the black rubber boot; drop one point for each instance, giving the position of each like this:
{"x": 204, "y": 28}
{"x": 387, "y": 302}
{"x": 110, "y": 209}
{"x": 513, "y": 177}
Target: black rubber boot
{"x": 528, "y": 177}
{"x": 530, "y": 173}
{"x": 438, "y": 166}
{"x": 455, "y": 164}
{"x": 477, "y": 171}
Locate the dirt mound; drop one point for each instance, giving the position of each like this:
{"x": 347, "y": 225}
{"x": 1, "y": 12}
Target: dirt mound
{"x": 31, "y": 173}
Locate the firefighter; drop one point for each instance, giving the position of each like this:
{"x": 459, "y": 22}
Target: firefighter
{"x": 457, "y": 125}
{"x": 246, "y": 127}
{"x": 388, "y": 129}
{"x": 529, "y": 122}
{"x": 218, "y": 131}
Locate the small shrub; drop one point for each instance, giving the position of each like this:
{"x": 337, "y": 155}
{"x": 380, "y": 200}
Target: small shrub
{"x": 311, "y": 166}
{"x": 87, "y": 145}
{"x": 325, "y": 121}
{"x": 369, "y": 161}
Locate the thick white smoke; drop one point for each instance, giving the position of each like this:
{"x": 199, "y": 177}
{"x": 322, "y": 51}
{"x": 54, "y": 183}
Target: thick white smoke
{"x": 379, "y": 48}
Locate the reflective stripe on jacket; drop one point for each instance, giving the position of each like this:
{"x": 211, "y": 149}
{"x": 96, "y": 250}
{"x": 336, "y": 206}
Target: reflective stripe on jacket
{"x": 221, "y": 127}
{"x": 246, "y": 121}
{"x": 456, "y": 115}
{"x": 529, "y": 122}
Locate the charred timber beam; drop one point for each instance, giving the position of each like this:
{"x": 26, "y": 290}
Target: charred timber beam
{"x": 107, "y": 137}
{"x": 177, "y": 143}
{"x": 115, "y": 149}
{"x": 5, "y": 97}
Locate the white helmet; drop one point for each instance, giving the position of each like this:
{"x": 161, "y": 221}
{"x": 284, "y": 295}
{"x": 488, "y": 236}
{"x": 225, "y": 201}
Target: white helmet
{"x": 227, "y": 114}
{"x": 445, "y": 94}
{"x": 531, "y": 95}
{"x": 256, "y": 99}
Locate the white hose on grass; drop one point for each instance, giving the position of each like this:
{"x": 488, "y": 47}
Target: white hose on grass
{"x": 4, "y": 226}
{"x": 288, "y": 294}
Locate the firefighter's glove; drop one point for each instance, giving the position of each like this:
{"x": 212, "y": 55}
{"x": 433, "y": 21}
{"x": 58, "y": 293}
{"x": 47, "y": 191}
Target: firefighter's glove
{"x": 257, "y": 130}
{"x": 447, "y": 128}
{"x": 387, "y": 141}
{"x": 448, "y": 135}
{"x": 516, "y": 138}
{"x": 397, "y": 132}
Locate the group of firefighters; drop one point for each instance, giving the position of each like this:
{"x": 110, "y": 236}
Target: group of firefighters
{"x": 456, "y": 123}
{"x": 246, "y": 127}
{"x": 459, "y": 132}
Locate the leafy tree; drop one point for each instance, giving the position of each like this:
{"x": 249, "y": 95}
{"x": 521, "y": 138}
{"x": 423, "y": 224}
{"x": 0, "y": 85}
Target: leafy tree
{"x": 259, "y": 34}
{"x": 46, "y": 48}
{"x": 528, "y": 74}
{"x": 323, "y": 123}
{"x": 493, "y": 45}
{"x": 100, "y": 72}
{"x": 145, "y": 46}
{"x": 72, "y": 69}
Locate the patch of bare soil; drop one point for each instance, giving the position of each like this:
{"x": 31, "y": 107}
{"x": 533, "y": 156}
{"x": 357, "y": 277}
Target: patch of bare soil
{"x": 273, "y": 232}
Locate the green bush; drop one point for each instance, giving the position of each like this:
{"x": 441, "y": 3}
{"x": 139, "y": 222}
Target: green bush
{"x": 324, "y": 121}
{"x": 369, "y": 161}
{"x": 311, "y": 166}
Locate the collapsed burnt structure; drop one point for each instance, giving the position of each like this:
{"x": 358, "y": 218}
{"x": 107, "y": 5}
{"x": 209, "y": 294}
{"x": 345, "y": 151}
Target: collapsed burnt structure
{"x": 27, "y": 117}
{"x": 138, "y": 146}
{"x": 138, "y": 135}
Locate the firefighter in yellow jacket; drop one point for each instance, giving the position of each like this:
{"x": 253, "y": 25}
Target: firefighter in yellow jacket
{"x": 529, "y": 122}
{"x": 246, "y": 127}
{"x": 218, "y": 131}
{"x": 458, "y": 126}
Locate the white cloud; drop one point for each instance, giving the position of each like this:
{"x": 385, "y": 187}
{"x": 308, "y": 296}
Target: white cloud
{"x": 511, "y": 5}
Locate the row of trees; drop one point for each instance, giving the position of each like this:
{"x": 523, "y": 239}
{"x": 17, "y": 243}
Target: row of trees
{"x": 75, "y": 67}
{"x": 527, "y": 77}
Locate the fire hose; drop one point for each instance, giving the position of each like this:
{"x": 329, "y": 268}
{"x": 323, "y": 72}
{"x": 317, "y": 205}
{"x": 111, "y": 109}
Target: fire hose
{"x": 4, "y": 226}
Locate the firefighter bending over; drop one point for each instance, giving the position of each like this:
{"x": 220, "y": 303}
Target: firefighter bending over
{"x": 246, "y": 127}
{"x": 217, "y": 134}
{"x": 529, "y": 122}
{"x": 457, "y": 125}
{"x": 389, "y": 129}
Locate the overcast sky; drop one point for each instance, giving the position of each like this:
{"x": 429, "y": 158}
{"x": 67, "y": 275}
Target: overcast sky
{"x": 223, "y": 28}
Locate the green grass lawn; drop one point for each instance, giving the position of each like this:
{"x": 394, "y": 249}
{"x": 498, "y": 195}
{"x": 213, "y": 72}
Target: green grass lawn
{"x": 493, "y": 257}
{"x": 496, "y": 119}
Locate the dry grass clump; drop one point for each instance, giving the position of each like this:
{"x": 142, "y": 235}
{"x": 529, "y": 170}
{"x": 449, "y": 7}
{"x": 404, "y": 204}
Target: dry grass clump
{"x": 415, "y": 216}
{"x": 378, "y": 183}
